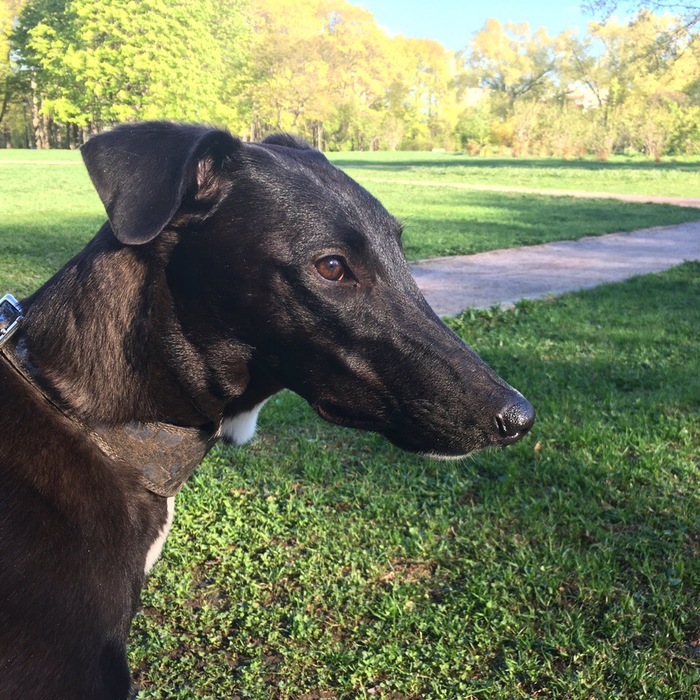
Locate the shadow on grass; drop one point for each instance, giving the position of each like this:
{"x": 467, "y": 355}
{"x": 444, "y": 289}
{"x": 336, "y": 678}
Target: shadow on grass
{"x": 32, "y": 252}
{"x": 462, "y": 223}
{"x": 50, "y": 230}
{"x": 459, "y": 160}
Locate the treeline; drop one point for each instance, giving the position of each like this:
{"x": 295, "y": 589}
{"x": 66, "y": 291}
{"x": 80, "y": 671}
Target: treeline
{"x": 325, "y": 70}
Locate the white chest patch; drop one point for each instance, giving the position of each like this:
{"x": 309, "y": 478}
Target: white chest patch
{"x": 241, "y": 428}
{"x": 157, "y": 546}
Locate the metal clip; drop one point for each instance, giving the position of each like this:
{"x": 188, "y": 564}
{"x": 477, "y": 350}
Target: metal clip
{"x": 10, "y": 317}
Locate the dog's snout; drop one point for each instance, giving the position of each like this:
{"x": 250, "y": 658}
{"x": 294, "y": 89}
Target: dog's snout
{"x": 515, "y": 420}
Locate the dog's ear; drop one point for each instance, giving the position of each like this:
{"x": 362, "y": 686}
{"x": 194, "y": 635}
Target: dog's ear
{"x": 143, "y": 171}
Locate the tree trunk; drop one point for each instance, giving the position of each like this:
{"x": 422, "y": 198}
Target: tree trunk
{"x": 39, "y": 122}
{"x": 317, "y": 134}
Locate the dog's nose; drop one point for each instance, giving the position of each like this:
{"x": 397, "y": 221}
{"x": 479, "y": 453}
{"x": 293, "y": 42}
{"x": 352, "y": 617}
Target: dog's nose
{"x": 515, "y": 420}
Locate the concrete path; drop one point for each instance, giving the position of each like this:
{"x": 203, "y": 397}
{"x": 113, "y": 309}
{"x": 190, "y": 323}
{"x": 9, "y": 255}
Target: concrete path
{"x": 502, "y": 277}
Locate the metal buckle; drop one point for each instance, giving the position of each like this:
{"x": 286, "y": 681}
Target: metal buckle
{"x": 10, "y": 317}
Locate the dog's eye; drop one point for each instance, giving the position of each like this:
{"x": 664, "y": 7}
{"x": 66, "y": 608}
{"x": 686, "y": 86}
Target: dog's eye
{"x": 332, "y": 268}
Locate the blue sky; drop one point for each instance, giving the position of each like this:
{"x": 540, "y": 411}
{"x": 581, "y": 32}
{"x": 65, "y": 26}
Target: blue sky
{"x": 453, "y": 22}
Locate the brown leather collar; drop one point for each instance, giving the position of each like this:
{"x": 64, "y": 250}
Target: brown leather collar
{"x": 163, "y": 454}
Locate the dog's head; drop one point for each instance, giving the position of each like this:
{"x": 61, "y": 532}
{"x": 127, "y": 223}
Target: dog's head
{"x": 273, "y": 248}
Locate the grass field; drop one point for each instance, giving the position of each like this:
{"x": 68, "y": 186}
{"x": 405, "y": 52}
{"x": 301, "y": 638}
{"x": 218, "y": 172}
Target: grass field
{"x": 442, "y": 221}
{"x": 620, "y": 175}
{"x": 318, "y": 563}
{"x": 65, "y": 212}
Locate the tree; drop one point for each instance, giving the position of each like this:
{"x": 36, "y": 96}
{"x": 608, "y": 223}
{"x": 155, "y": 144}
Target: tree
{"x": 360, "y": 64}
{"x": 325, "y": 70}
{"x": 9, "y": 10}
{"x": 96, "y": 62}
{"x": 431, "y": 99}
{"x": 607, "y": 8}
{"x": 688, "y": 13}
{"x": 512, "y": 61}
{"x": 474, "y": 126}
{"x": 314, "y": 62}
{"x": 636, "y": 74}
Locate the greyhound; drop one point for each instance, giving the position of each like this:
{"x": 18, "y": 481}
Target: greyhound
{"x": 226, "y": 272}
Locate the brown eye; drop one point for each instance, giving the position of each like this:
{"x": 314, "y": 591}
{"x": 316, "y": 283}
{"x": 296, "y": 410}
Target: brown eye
{"x": 331, "y": 268}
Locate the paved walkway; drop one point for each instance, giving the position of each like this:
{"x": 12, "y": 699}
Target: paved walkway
{"x": 502, "y": 277}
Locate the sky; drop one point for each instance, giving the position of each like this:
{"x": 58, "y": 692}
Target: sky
{"x": 453, "y": 22}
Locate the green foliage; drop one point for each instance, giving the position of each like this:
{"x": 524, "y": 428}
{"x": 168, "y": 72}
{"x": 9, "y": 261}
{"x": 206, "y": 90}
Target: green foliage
{"x": 512, "y": 61}
{"x": 474, "y": 127}
{"x": 6, "y": 16}
{"x": 97, "y": 62}
{"x": 325, "y": 70}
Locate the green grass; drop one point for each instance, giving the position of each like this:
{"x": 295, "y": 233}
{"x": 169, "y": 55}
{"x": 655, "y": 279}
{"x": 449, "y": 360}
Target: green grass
{"x": 619, "y": 175}
{"x": 65, "y": 212}
{"x": 30, "y": 157}
{"x": 47, "y": 214}
{"x": 320, "y": 563}
{"x": 441, "y": 221}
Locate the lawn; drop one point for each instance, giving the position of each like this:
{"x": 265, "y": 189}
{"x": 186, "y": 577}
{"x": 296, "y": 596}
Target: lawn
{"x": 48, "y": 210}
{"x": 619, "y": 175}
{"x": 319, "y": 563}
{"x": 442, "y": 221}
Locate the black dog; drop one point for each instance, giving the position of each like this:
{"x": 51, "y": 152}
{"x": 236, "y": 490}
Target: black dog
{"x": 227, "y": 272}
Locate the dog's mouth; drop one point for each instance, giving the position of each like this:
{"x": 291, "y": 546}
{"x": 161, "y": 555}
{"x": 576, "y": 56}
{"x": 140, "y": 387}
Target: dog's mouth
{"x": 349, "y": 417}
{"x": 411, "y": 427}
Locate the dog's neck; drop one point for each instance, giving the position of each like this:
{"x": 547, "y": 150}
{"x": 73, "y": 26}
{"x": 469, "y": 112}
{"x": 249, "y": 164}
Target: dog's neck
{"x": 163, "y": 455}
{"x": 101, "y": 337}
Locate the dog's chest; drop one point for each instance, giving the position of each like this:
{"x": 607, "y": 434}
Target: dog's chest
{"x": 157, "y": 545}
{"x": 241, "y": 428}
{"x": 238, "y": 430}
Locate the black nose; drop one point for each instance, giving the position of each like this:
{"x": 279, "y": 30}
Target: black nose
{"x": 515, "y": 420}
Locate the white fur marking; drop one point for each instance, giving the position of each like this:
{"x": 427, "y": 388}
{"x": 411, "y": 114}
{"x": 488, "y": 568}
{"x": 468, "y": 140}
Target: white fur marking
{"x": 157, "y": 546}
{"x": 241, "y": 428}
